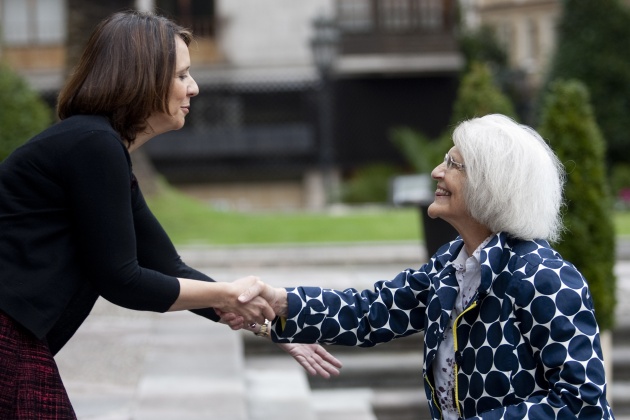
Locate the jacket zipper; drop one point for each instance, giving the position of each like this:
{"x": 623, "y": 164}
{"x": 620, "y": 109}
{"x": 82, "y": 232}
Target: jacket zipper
{"x": 426, "y": 380}
{"x": 458, "y": 356}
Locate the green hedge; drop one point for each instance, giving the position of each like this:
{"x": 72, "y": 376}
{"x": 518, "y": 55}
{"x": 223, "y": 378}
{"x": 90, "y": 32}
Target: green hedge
{"x": 569, "y": 124}
{"x": 593, "y": 47}
{"x": 23, "y": 113}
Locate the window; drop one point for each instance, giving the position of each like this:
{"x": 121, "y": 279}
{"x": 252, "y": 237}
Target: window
{"x": 431, "y": 12}
{"x": 393, "y": 16}
{"x": 197, "y": 15}
{"x": 28, "y": 22}
{"x": 532, "y": 43}
{"x": 354, "y": 15}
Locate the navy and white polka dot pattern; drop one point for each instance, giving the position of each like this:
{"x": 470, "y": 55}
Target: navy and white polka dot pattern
{"x": 527, "y": 346}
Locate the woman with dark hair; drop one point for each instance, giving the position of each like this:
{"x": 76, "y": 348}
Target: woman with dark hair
{"x": 74, "y": 225}
{"x": 509, "y": 325}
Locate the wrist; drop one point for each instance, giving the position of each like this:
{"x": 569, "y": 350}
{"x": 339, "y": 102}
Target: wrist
{"x": 281, "y": 304}
{"x": 264, "y": 330}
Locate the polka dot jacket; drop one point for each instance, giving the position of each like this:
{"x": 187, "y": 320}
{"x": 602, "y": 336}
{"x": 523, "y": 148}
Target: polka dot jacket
{"x": 527, "y": 345}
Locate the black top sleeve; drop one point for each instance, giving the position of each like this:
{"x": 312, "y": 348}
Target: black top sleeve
{"x": 99, "y": 181}
{"x": 157, "y": 252}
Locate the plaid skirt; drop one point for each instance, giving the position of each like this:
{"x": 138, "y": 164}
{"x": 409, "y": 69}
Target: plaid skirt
{"x": 30, "y": 385}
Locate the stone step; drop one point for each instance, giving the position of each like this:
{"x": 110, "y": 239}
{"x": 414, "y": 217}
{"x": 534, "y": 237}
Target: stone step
{"x": 193, "y": 369}
{"x": 344, "y": 404}
{"x": 621, "y": 363}
{"x": 394, "y": 377}
{"x": 278, "y": 388}
{"x": 400, "y": 404}
{"x": 621, "y": 398}
{"x": 139, "y": 365}
{"x": 386, "y": 370}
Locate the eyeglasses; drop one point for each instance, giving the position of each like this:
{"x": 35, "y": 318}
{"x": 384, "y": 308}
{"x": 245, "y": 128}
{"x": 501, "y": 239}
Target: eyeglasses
{"x": 450, "y": 163}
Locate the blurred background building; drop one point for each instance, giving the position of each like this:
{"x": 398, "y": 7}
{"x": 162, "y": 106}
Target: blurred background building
{"x": 296, "y": 96}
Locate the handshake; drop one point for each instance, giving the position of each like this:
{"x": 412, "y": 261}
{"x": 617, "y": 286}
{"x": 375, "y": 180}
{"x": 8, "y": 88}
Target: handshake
{"x": 249, "y": 303}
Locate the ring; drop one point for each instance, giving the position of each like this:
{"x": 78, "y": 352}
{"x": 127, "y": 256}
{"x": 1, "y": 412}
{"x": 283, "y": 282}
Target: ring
{"x": 252, "y": 325}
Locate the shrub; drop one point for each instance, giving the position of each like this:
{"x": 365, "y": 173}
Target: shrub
{"x": 569, "y": 124}
{"x": 477, "y": 96}
{"x": 591, "y": 48}
{"x": 422, "y": 153}
{"x": 370, "y": 184}
{"x": 23, "y": 115}
{"x": 482, "y": 45}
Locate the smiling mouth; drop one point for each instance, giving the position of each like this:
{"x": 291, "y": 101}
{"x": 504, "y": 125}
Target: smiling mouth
{"x": 441, "y": 192}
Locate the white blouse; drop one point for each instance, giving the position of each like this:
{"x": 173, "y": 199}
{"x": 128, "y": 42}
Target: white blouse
{"x": 468, "y": 273}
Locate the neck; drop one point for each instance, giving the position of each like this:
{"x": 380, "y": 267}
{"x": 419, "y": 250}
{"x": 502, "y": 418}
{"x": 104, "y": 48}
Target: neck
{"x": 474, "y": 235}
{"x": 141, "y": 138}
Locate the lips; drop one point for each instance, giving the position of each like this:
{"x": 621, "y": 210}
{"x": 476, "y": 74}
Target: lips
{"x": 441, "y": 192}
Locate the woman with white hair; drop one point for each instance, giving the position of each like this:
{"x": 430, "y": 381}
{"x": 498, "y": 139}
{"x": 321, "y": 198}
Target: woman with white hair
{"x": 509, "y": 327}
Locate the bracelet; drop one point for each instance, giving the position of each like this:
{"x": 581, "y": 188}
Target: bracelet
{"x": 264, "y": 329}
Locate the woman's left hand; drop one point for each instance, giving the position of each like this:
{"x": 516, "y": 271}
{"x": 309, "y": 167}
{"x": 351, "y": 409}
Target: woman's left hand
{"x": 236, "y": 322}
{"x": 313, "y": 358}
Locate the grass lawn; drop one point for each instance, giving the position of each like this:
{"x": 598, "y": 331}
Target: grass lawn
{"x": 189, "y": 221}
{"x": 622, "y": 223}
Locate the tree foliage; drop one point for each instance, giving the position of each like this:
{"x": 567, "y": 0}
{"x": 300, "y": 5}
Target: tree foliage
{"x": 482, "y": 45}
{"x": 593, "y": 48}
{"x": 478, "y": 95}
{"x": 568, "y": 123}
{"x": 422, "y": 153}
{"x": 23, "y": 113}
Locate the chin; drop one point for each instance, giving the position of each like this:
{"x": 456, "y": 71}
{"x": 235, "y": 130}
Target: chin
{"x": 431, "y": 211}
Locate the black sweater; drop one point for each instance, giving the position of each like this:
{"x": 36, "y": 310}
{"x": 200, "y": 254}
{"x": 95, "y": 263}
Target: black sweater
{"x": 73, "y": 226}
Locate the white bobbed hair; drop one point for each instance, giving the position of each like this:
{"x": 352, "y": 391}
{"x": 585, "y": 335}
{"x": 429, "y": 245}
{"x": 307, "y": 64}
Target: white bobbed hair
{"x": 514, "y": 181}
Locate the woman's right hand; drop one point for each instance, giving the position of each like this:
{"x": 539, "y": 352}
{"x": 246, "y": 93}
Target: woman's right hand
{"x": 225, "y": 297}
{"x": 253, "y": 310}
{"x": 276, "y": 297}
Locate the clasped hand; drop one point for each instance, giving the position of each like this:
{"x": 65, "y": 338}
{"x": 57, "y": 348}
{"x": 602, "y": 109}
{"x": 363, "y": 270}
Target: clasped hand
{"x": 249, "y": 300}
{"x": 312, "y": 357}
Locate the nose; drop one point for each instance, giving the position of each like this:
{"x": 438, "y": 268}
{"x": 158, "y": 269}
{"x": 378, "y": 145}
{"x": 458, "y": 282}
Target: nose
{"x": 193, "y": 89}
{"x": 438, "y": 171}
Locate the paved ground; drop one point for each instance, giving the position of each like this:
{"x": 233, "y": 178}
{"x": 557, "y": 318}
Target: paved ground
{"x": 125, "y": 365}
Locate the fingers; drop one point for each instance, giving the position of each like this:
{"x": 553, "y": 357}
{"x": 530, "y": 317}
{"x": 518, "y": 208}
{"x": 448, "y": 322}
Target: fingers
{"x": 323, "y": 367}
{"x": 315, "y": 365}
{"x": 239, "y": 316}
{"x": 307, "y": 366}
{"x": 256, "y": 311}
{"x": 329, "y": 358}
{"x": 262, "y": 292}
{"x": 232, "y": 320}
{"x": 314, "y": 359}
{"x": 254, "y": 289}
{"x": 248, "y": 302}
{"x": 268, "y": 313}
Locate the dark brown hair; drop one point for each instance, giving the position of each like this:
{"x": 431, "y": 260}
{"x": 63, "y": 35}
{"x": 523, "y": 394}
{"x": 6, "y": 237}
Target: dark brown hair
{"x": 125, "y": 72}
